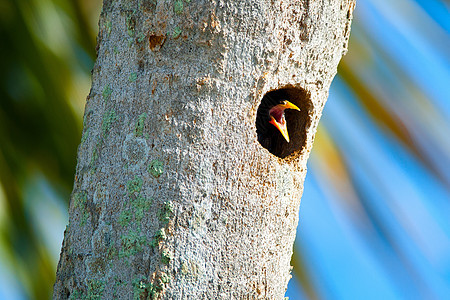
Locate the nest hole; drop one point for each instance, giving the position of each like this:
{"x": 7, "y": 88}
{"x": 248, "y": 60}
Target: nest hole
{"x": 297, "y": 121}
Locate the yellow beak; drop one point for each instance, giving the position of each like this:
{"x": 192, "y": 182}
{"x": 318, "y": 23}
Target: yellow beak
{"x": 277, "y": 110}
{"x": 288, "y": 105}
{"x": 281, "y": 127}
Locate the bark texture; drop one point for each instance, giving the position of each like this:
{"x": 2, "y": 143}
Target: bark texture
{"x": 181, "y": 192}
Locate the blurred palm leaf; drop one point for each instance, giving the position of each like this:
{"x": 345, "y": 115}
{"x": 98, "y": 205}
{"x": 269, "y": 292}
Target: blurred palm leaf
{"x": 375, "y": 214}
{"x": 47, "y": 52}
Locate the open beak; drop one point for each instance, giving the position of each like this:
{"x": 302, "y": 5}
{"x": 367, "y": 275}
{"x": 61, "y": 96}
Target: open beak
{"x": 281, "y": 127}
{"x": 279, "y": 120}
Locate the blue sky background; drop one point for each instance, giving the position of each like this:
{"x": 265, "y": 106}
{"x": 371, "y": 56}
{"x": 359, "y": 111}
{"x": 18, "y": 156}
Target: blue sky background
{"x": 378, "y": 225}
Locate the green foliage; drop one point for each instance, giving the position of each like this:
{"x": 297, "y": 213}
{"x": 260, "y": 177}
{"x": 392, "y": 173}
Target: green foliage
{"x": 44, "y": 80}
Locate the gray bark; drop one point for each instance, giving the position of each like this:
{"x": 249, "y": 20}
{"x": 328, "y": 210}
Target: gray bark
{"x": 174, "y": 195}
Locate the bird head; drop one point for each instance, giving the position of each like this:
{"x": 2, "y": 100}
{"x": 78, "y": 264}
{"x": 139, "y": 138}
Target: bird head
{"x": 278, "y": 119}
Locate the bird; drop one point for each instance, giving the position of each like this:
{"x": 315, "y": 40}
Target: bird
{"x": 278, "y": 119}
{"x": 271, "y": 123}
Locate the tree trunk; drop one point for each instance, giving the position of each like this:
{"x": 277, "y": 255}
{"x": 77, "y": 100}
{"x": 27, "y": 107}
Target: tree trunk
{"x": 182, "y": 191}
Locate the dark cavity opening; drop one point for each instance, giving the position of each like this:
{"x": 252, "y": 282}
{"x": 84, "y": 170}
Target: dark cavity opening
{"x": 297, "y": 121}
